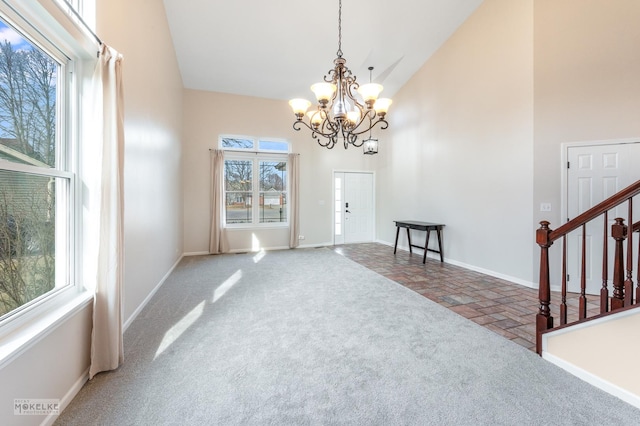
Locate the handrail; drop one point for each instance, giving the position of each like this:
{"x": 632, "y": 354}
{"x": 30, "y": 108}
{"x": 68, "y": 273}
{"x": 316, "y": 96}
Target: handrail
{"x": 595, "y": 211}
{"x": 622, "y": 274}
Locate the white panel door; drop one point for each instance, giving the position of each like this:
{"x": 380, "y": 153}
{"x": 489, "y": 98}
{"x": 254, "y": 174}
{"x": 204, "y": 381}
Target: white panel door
{"x": 338, "y": 208}
{"x": 595, "y": 173}
{"x": 354, "y": 207}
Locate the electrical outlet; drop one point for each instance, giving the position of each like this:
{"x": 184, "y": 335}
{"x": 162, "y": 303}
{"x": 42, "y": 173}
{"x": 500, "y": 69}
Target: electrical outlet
{"x": 301, "y": 237}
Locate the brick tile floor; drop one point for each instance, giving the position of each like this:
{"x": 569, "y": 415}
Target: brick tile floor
{"x": 501, "y": 306}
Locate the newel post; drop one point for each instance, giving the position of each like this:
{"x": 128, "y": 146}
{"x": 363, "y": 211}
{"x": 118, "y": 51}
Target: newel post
{"x": 619, "y": 233}
{"x": 544, "y": 320}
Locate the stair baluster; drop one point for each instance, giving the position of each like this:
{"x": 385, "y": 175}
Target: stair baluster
{"x": 604, "y": 291}
{"x": 636, "y": 228}
{"x": 628, "y": 283}
{"x": 582, "y": 310}
{"x": 619, "y": 233}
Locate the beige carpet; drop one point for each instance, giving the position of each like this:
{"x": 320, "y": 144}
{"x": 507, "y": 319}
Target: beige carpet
{"x": 308, "y": 337}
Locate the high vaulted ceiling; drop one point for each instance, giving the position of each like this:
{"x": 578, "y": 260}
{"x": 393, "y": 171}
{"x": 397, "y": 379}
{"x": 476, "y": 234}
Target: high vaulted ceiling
{"x": 277, "y": 48}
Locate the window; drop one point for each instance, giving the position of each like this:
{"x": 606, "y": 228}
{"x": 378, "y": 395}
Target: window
{"x": 256, "y": 181}
{"x": 36, "y": 181}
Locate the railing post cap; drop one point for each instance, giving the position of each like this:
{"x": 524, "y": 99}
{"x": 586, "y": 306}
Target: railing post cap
{"x": 542, "y": 234}
{"x": 619, "y": 229}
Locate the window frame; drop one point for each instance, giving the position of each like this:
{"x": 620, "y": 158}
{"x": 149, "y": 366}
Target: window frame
{"x": 256, "y": 156}
{"x": 33, "y": 319}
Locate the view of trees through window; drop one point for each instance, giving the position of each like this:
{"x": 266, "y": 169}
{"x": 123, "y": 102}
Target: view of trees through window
{"x": 28, "y": 152}
{"x": 273, "y": 196}
{"x": 241, "y": 189}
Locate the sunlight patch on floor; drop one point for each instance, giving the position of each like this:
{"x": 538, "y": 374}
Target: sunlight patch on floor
{"x": 258, "y": 257}
{"x": 180, "y": 327}
{"x": 225, "y": 286}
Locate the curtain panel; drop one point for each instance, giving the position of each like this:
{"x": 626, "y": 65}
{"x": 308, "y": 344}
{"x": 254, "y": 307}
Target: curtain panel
{"x": 108, "y": 129}
{"x": 217, "y": 237}
{"x": 294, "y": 199}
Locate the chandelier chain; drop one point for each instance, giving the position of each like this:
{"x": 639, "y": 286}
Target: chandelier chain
{"x": 339, "y": 52}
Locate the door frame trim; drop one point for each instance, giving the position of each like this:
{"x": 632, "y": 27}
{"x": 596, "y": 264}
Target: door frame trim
{"x": 564, "y": 174}
{"x": 333, "y": 200}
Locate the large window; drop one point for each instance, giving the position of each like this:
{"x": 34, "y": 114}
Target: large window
{"x": 36, "y": 183}
{"x": 256, "y": 181}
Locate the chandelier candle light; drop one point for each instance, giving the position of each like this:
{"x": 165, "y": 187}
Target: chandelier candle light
{"x": 345, "y": 109}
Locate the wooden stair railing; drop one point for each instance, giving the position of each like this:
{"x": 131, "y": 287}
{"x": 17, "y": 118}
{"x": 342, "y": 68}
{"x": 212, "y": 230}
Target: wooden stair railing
{"x": 622, "y": 283}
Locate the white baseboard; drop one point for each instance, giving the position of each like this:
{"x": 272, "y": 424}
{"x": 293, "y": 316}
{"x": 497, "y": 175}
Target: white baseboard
{"x": 594, "y": 380}
{"x": 250, "y": 250}
{"x": 493, "y": 273}
{"x": 195, "y": 253}
{"x": 489, "y": 272}
{"x": 329, "y": 244}
{"x": 66, "y": 400}
{"x": 149, "y": 296}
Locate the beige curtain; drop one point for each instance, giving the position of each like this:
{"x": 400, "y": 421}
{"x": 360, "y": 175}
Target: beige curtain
{"x": 217, "y": 236}
{"x": 108, "y": 127}
{"x": 294, "y": 196}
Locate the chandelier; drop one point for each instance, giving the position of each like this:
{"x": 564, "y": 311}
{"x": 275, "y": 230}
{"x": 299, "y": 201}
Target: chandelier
{"x": 345, "y": 109}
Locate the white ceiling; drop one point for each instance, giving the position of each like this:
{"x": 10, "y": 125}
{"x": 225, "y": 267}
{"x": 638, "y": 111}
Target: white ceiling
{"x": 276, "y": 49}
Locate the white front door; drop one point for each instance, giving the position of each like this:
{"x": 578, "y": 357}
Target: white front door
{"x": 353, "y": 207}
{"x": 595, "y": 173}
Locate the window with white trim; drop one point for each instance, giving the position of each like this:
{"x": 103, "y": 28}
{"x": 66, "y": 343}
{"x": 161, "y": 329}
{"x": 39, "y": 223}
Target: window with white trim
{"x": 37, "y": 179}
{"x": 255, "y": 181}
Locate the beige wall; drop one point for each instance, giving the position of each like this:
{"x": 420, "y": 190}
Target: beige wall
{"x": 607, "y": 349}
{"x": 208, "y": 115}
{"x": 461, "y": 144}
{"x": 153, "y": 127}
{"x": 153, "y": 201}
{"x": 587, "y": 86}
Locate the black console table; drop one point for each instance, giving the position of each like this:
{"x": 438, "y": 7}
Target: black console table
{"x": 420, "y": 226}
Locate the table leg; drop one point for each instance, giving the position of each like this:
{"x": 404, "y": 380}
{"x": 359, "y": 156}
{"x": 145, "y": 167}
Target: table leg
{"x": 395, "y": 246}
{"x": 409, "y": 239}
{"x": 440, "y": 245}
{"x": 426, "y": 247}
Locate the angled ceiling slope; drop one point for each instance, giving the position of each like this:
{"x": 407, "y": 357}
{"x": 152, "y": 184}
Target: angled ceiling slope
{"x": 277, "y": 49}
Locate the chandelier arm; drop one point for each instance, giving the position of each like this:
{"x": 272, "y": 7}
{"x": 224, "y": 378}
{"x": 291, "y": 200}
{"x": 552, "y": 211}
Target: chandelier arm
{"x": 353, "y": 140}
{"x": 333, "y": 129}
{"x": 364, "y": 115}
{"x": 330, "y": 142}
{"x": 330, "y": 77}
{"x": 381, "y": 121}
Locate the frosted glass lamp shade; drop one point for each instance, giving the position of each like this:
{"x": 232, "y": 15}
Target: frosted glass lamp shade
{"x": 299, "y": 106}
{"x": 382, "y": 106}
{"x": 370, "y": 91}
{"x": 353, "y": 116}
{"x": 316, "y": 117}
{"x": 323, "y": 91}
